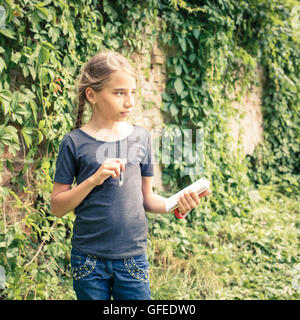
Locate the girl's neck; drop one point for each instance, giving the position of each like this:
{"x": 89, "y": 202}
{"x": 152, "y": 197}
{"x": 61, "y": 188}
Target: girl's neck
{"x": 96, "y": 124}
{"x": 108, "y": 133}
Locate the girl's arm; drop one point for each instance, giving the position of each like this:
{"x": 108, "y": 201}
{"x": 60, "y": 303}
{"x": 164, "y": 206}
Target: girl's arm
{"x": 65, "y": 199}
{"x": 152, "y": 202}
{"x": 157, "y": 204}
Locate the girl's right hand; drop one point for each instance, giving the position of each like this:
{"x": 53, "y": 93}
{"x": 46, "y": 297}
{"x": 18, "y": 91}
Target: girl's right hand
{"x": 110, "y": 167}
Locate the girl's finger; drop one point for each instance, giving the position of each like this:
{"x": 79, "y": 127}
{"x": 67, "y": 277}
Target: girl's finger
{"x": 191, "y": 202}
{"x": 195, "y": 197}
{"x": 204, "y": 193}
{"x": 180, "y": 206}
{"x": 108, "y": 173}
{"x": 122, "y": 162}
{"x": 184, "y": 202}
{"x": 113, "y": 166}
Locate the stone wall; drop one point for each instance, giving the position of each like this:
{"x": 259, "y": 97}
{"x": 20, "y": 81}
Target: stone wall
{"x": 151, "y": 83}
{"x": 246, "y": 122}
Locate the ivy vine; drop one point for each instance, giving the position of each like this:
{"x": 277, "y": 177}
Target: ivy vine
{"x": 211, "y": 46}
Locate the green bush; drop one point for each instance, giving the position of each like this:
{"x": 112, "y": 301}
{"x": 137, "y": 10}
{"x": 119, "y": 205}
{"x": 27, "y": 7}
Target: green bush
{"x": 242, "y": 241}
{"x": 226, "y": 257}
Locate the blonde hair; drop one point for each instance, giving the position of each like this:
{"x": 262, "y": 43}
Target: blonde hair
{"x": 96, "y": 74}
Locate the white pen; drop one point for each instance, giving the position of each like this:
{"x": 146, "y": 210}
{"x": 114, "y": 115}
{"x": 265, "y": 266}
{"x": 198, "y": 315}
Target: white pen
{"x": 121, "y": 178}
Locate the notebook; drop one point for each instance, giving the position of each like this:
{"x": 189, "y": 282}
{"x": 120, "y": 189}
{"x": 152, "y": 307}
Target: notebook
{"x": 198, "y": 186}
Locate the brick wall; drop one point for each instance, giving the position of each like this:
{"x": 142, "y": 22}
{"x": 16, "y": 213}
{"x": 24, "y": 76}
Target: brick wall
{"x": 151, "y": 83}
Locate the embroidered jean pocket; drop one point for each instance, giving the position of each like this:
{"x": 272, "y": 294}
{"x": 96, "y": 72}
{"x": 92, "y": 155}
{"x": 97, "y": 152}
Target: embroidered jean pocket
{"x": 82, "y": 265}
{"x": 137, "y": 267}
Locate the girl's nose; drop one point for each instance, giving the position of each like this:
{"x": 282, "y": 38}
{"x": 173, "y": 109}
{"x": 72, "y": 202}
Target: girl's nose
{"x": 130, "y": 100}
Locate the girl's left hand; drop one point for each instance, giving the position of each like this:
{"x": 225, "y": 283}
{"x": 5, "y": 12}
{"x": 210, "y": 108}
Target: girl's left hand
{"x": 189, "y": 200}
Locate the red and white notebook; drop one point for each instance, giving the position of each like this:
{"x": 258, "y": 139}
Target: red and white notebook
{"x": 198, "y": 186}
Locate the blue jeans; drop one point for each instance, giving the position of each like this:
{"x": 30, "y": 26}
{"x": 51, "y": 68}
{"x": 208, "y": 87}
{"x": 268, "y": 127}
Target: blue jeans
{"x": 99, "y": 279}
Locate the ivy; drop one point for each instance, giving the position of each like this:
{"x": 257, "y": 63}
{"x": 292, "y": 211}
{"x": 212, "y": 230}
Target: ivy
{"x": 212, "y": 46}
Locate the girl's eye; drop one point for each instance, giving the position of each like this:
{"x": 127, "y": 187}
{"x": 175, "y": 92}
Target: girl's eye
{"x": 122, "y": 93}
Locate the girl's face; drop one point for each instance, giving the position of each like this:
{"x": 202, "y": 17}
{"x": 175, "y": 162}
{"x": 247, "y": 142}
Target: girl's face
{"x": 116, "y": 100}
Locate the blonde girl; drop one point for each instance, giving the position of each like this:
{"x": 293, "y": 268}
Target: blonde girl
{"x": 108, "y": 257}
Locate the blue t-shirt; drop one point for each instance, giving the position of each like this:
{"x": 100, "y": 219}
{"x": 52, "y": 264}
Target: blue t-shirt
{"x": 110, "y": 221}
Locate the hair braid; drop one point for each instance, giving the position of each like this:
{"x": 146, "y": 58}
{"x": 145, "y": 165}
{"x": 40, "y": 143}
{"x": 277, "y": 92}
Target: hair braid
{"x": 81, "y": 105}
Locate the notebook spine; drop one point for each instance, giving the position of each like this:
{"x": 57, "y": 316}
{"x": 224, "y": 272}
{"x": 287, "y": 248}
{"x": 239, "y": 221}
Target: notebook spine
{"x": 171, "y": 203}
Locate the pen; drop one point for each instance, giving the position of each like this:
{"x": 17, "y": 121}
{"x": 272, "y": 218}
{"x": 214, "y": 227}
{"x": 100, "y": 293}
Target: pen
{"x": 121, "y": 178}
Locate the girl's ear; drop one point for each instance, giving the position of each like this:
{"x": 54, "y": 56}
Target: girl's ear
{"x": 90, "y": 95}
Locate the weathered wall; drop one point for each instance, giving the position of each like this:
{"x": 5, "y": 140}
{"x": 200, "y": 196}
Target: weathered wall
{"x": 246, "y": 122}
{"x": 151, "y": 83}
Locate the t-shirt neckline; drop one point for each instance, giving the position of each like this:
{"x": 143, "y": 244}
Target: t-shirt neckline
{"x": 95, "y": 139}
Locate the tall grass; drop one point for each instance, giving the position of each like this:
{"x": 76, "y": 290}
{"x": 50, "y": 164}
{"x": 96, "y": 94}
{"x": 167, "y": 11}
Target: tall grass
{"x": 255, "y": 256}
{"x": 252, "y": 256}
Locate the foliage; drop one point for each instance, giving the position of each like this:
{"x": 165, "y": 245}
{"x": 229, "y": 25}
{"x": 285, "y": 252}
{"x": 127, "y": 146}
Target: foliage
{"x": 217, "y": 47}
{"x": 227, "y": 257}
{"x": 232, "y": 246}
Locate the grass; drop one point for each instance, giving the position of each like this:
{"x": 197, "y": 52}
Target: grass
{"x": 251, "y": 256}
{"x": 255, "y": 256}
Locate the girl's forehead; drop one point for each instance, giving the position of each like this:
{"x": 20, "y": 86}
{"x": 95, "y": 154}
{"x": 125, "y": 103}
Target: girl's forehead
{"x": 121, "y": 79}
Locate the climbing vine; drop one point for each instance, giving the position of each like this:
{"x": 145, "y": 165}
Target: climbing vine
{"x": 218, "y": 45}
{"x": 213, "y": 46}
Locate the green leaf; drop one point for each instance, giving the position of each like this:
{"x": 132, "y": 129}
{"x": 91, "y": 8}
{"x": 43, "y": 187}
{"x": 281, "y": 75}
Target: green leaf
{"x": 43, "y": 56}
{"x": 174, "y": 110}
{"x": 178, "y": 85}
{"x": 34, "y": 110}
{"x": 6, "y": 95}
{"x": 182, "y": 43}
{"x": 36, "y": 51}
{"x": 54, "y": 34}
{"x": 13, "y": 133}
{"x": 8, "y": 33}
{"x": 25, "y": 70}
{"x": 42, "y": 13}
{"x": 196, "y": 33}
{"x": 32, "y": 72}
{"x": 166, "y": 97}
{"x": 2, "y": 64}
{"x": 41, "y": 137}
{"x": 191, "y": 113}
{"x": 44, "y": 75}
{"x": 26, "y": 132}
{"x": 48, "y": 44}
{"x": 42, "y": 124}
{"x": 5, "y": 106}
{"x": 192, "y": 57}
{"x": 178, "y": 69}
{"x": 16, "y": 57}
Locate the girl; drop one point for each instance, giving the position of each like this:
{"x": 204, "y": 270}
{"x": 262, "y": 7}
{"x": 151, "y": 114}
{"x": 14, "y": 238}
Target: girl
{"x": 110, "y": 230}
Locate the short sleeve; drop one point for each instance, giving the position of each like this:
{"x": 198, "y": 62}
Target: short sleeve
{"x": 66, "y": 166}
{"x": 147, "y": 164}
